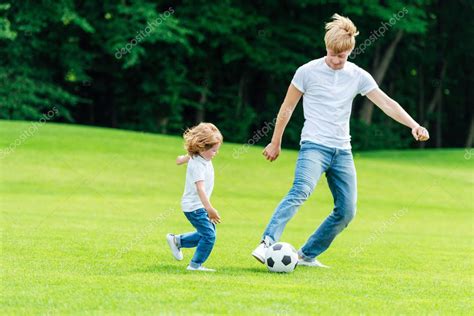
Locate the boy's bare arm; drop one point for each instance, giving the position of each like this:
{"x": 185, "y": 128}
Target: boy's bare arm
{"x": 182, "y": 159}
{"x": 211, "y": 211}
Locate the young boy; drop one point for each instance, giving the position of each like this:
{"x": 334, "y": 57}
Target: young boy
{"x": 202, "y": 143}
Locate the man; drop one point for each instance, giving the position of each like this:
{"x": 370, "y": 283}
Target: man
{"x": 328, "y": 86}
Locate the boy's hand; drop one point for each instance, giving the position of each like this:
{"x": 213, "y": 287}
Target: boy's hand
{"x": 182, "y": 159}
{"x": 213, "y": 215}
{"x": 420, "y": 133}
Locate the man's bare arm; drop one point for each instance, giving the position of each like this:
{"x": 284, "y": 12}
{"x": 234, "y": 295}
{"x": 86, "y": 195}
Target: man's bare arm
{"x": 293, "y": 95}
{"x": 395, "y": 111}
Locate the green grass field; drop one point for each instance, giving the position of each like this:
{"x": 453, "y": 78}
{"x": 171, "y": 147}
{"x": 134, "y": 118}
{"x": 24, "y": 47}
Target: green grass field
{"x": 85, "y": 211}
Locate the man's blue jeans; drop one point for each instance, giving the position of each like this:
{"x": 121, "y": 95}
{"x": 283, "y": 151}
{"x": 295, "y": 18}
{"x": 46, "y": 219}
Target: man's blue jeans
{"x": 313, "y": 160}
{"x": 204, "y": 238}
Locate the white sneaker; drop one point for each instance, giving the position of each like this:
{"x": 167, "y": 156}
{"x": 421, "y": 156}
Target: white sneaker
{"x": 201, "y": 268}
{"x": 312, "y": 263}
{"x": 177, "y": 253}
{"x": 259, "y": 252}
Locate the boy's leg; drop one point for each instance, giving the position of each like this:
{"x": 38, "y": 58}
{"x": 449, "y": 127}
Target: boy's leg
{"x": 207, "y": 232}
{"x": 174, "y": 247}
{"x": 342, "y": 181}
{"x": 188, "y": 240}
{"x": 313, "y": 160}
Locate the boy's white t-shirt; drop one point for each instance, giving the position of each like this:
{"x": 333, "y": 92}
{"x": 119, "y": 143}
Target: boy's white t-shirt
{"x": 327, "y": 100}
{"x": 198, "y": 169}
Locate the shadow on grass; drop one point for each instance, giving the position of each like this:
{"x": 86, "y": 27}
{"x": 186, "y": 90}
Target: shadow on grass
{"x": 175, "y": 269}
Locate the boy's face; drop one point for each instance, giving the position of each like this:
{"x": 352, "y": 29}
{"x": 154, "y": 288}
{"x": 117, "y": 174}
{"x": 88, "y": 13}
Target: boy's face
{"x": 211, "y": 152}
{"x": 336, "y": 61}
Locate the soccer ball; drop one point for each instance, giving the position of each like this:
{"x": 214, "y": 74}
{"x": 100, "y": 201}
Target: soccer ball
{"x": 281, "y": 257}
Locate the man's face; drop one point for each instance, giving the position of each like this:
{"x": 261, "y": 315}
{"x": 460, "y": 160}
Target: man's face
{"x": 336, "y": 61}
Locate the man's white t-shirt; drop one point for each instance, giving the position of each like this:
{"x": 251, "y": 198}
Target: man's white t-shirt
{"x": 198, "y": 169}
{"x": 327, "y": 100}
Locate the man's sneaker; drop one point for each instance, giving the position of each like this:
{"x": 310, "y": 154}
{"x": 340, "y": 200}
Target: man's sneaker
{"x": 259, "y": 252}
{"x": 312, "y": 263}
{"x": 171, "y": 239}
{"x": 200, "y": 268}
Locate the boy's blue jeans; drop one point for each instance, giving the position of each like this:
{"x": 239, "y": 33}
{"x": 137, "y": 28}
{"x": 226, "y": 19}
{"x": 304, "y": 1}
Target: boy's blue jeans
{"x": 313, "y": 160}
{"x": 204, "y": 238}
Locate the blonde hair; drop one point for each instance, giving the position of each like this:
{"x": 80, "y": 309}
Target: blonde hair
{"x": 340, "y": 34}
{"x": 201, "y": 138}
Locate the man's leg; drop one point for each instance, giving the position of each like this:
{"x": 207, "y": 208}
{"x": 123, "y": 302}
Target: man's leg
{"x": 342, "y": 181}
{"x": 313, "y": 160}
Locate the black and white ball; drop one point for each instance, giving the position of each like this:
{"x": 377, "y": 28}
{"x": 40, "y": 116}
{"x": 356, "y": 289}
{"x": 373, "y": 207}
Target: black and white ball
{"x": 281, "y": 257}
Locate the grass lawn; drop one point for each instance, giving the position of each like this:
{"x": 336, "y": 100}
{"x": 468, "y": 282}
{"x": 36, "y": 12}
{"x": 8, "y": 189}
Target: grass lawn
{"x": 85, "y": 211}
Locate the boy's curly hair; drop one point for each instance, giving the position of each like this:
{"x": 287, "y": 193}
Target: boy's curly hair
{"x": 201, "y": 138}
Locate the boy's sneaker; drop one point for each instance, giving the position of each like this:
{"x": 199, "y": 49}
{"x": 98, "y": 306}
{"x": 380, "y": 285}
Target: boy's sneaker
{"x": 200, "y": 268}
{"x": 259, "y": 252}
{"x": 177, "y": 253}
{"x": 312, "y": 263}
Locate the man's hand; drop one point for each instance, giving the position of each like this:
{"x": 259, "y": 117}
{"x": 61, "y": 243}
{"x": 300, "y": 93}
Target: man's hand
{"x": 213, "y": 215}
{"x": 182, "y": 159}
{"x": 272, "y": 151}
{"x": 420, "y": 133}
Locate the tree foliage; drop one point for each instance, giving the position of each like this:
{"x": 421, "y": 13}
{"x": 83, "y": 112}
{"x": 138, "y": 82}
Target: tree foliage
{"x": 162, "y": 66}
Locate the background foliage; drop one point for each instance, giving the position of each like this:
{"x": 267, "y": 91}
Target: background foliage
{"x": 230, "y": 62}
